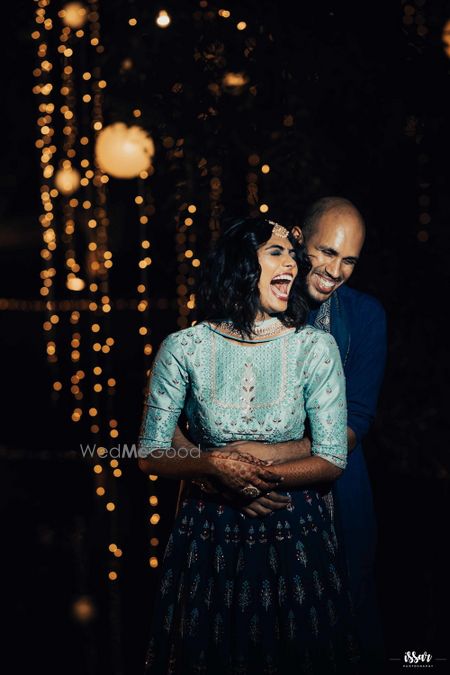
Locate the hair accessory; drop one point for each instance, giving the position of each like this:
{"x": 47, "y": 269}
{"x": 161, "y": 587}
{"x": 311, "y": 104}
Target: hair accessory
{"x": 278, "y": 230}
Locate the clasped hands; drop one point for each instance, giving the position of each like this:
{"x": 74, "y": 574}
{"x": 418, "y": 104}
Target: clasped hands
{"x": 241, "y": 464}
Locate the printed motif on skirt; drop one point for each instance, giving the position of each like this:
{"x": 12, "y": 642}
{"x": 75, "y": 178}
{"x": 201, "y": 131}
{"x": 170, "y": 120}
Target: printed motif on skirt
{"x": 240, "y": 596}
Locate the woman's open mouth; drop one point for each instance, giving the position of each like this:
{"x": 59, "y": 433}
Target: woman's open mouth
{"x": 281, "y": 285}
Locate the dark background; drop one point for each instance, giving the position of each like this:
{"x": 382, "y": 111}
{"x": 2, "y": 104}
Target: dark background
{"x": 350, "y": 100}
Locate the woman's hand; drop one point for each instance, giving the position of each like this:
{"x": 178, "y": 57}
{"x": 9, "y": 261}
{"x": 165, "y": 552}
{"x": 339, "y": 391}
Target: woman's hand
{"x": 236, "y": 470}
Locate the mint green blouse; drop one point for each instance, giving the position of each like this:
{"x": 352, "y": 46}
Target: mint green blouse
{"x": 244, "y": 391}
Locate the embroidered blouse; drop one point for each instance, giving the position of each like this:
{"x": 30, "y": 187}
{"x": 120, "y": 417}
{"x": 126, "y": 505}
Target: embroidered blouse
{"x": 260, "y": 391}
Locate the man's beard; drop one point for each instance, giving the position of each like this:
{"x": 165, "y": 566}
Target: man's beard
{"x": 313, "y": 303}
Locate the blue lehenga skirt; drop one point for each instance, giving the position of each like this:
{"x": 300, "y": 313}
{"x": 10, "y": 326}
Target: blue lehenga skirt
{"x": 247, "y": 596}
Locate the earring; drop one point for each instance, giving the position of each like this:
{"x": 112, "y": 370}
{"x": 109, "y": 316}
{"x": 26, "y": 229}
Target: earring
{"x": 297, "y": 234}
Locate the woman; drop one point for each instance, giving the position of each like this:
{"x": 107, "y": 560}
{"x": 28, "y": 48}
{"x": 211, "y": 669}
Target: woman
{"x": 243, "y": 595}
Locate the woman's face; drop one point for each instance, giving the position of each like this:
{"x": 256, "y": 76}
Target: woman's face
{"x": 278, "y": 271}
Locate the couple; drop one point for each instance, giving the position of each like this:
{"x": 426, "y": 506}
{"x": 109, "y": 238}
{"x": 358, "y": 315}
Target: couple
{"x": 253, "y": 578}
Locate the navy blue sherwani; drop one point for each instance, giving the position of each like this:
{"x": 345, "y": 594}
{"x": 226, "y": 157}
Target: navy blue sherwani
{"x": 358, "y": 323}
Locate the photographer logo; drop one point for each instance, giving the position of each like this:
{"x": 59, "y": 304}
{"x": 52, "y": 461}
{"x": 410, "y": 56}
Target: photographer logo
{"x": 417, "y": 659}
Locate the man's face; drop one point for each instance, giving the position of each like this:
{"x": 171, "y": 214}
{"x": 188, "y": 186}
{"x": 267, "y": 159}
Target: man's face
{"x": 333, "y": 249}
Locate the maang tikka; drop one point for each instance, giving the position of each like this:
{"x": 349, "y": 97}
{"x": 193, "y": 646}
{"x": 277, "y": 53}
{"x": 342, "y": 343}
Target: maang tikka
{"x": 278, "y": 230}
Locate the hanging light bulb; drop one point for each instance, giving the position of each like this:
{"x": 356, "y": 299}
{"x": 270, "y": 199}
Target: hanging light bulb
{"x": 163, "y": 19}
{"x": 74, "y": 14}
{"x": 123, "y": 152}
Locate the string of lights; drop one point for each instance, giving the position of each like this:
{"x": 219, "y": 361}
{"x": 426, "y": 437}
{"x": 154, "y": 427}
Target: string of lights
{"x": 44, "y": 91}
{"x": 414, "y": 21}
{"x": 87, "y": 253}
{"x": 146, "y": 210}
{"x": 253, "y": 185}
{"x": 90, "y": 153}
{"x": 215, "y": 205}
{"x": 184, "y": 246}
{"x": 80, "y": 304}
{"x": 68, "y": 180}
{"x": 104, "y": 423}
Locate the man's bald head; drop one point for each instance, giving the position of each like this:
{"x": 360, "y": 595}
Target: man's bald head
{"x": 328, "y": 205}
{"x": 333, "y": 232}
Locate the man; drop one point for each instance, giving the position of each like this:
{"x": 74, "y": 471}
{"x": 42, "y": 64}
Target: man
{"x": 333, "y": 232}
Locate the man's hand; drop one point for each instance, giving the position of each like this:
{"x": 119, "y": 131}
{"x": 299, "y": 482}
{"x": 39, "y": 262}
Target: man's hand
{"x": 277, "y": 453}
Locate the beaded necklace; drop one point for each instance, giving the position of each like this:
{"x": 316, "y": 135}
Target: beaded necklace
{"x": 269, "y": 328}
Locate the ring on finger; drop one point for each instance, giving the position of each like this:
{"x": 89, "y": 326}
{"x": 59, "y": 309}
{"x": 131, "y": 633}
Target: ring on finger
{"x": 250, "y": 491}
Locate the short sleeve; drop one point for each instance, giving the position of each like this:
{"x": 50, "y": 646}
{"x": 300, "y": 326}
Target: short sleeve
{"x": 325, "y": 401}
{"x": 164, "y": 397}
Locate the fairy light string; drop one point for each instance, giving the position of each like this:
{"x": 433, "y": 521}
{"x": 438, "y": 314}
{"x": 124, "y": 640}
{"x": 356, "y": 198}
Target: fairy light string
{"x": 415, "y": 26}
{"x": 44, "y": 91}
{"x": 79, "y": 224}
{"x": 88, "y": 255}
{"x": 104, "y": 423}
{"x": 185, "y": 239}
{"x": 146, "y": 210}
{"x": 69, "y": 44}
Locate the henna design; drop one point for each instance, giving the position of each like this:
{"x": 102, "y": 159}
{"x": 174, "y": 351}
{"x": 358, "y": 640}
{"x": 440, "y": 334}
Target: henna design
{"x": 236, "y": 470}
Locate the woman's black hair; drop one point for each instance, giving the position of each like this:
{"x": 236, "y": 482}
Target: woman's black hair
{"x": 228, "y": 287}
